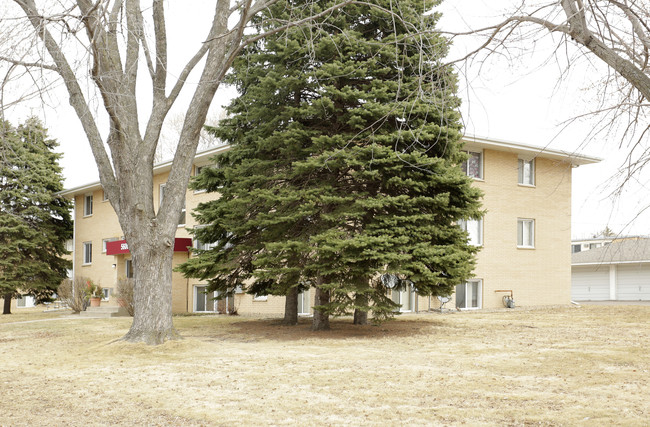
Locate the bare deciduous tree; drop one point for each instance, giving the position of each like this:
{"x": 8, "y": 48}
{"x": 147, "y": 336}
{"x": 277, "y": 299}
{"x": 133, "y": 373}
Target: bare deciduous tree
{"x": 617, "y": 32}
{"x": 98, "y": 47}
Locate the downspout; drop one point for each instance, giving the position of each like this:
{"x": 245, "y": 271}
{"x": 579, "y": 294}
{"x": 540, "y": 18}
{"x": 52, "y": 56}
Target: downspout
{"x": 187, "y": 290}
{"x": 74, "y": 243}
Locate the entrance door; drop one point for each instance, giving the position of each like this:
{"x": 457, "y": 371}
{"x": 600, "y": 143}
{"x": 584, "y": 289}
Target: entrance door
{"x": 404, "y": 297}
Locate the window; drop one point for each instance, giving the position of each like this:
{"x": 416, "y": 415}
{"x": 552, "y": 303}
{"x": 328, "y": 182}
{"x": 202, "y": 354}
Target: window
{"x": 107, "y": 294}
{"x": 576, "y": 248}
{"x": 260, "y": 297}
{"x": 468, "y": 294}
{"x": 473, "y": 166}
{"x": 203, "y": 246}
{"x": 88, "y": 204}
{"x": 197, "y": 172}
{"x": 104, "y": 241}
{"x": 128, "y": 268}
{"x": 25, "y": 301}
{"x": 203, "y": 300}
{"x": 405, "y": 297}
{"x": 105, "y": 198}
{"x": 526, "y": 233}
{"x": 69, "y": 245}
{"x": 526, "y": 172}
{"x": 474, "y": 228}
{"x": 181, "y": 218}
{"x": 88, "y": 252}
{"x": 304, "y": 303}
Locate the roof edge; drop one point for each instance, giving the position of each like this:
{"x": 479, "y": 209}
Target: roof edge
{"x": 575, "y": 158}
{"x": 159, "y": 167}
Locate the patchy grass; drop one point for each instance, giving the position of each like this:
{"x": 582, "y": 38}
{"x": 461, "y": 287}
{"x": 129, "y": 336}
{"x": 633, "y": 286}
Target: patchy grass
{"x": 32, "y": 314}
{"x": 567, "y": 366}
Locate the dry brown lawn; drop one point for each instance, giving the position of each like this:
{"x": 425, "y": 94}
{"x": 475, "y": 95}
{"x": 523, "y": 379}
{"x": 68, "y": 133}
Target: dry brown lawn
{"x": 560, "y": 366}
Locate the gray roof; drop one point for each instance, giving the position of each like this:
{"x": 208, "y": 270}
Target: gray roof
{"x": 617, "y": 252}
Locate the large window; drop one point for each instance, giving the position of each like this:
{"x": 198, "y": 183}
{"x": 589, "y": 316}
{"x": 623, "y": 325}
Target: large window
{"x": 468, "y": 294}
{"x": 88, "y": 252}
{"x": 526, "y": 172}
{"x": 474, "y": 228}
{"x": 473, "y": 166}
{"x": 203, "y": 300}
{"x": 526, "y": 233}
{"x": 88, "y": 204}
{"x": 181, "y": 218}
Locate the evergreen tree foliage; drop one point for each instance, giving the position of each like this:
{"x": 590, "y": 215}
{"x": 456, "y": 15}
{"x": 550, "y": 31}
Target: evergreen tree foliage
{"x": 344, "y": 164}
{"x": 35, "y": 222}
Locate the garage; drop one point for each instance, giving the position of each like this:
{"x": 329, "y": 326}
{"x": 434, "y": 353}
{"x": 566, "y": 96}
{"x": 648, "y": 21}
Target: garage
{"x": 633, "y": 282}
{"x": 590, "y": 283}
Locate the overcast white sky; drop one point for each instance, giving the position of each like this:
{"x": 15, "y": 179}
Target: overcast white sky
{"x": 519, "y": 99}
{"x": 520, "y": 103}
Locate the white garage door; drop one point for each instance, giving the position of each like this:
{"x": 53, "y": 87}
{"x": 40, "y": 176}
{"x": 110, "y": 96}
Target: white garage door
{"x": 633, "y": 282}
{"x": 590, "y": 283}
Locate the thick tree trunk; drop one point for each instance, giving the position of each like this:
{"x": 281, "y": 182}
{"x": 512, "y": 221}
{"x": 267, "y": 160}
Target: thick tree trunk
{"x": 291, "y": 307}
{"x": 361, "y": 316}
{"x": 321, "y": 321}
{"x": 7, "y": 304}
{"x": 152, "y": 295}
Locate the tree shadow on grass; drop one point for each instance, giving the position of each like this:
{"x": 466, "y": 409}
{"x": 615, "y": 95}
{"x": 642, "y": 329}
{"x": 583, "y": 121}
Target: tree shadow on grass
{"x": 341, "y": 329}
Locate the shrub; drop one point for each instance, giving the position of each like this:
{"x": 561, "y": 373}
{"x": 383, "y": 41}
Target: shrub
{"x": 94, "y": 290}
{"x": 73, "y": 293}
{"x": 125, "y": 294}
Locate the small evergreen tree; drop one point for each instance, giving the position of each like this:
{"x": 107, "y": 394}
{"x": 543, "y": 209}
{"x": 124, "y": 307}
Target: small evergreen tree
{"x": 346, "y": 142}
{"x": 34, "y": 221}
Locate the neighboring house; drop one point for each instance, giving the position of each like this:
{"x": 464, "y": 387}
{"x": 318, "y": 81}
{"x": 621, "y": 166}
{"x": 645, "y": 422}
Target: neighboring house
{"x": 618, "y": 271}
{"x": 523, "y": 236}
{"x": 587, "y": 244}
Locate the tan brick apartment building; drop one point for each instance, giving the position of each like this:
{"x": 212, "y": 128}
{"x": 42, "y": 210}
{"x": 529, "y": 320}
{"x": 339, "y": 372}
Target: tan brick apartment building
{"x": 523, "y": 236}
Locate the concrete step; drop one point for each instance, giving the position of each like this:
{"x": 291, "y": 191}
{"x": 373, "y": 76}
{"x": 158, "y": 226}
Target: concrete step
{"x": 104, "y": 311}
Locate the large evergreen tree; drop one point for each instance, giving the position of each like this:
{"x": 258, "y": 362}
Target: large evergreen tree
{"x": 34, "y": 221}
{"x": 346, "y": 142}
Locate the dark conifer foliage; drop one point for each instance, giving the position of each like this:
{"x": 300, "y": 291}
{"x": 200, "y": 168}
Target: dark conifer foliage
{"x": 345, "y": 144}
{"x": 34, "y": 221}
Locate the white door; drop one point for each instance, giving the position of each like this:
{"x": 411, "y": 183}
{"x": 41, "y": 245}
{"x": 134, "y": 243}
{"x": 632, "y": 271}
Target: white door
{"x": 590, "y": 283}
{"x": 633, "y": 283}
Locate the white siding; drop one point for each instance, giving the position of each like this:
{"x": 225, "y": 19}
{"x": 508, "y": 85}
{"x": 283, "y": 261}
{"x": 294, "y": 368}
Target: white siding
{"x": 590, "y": 283}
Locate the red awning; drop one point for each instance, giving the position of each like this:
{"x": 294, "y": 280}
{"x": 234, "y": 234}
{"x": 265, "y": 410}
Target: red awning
{"x": 119, "y": 247}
